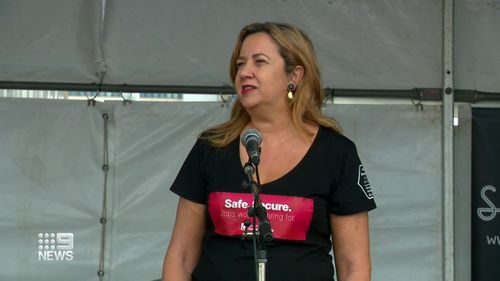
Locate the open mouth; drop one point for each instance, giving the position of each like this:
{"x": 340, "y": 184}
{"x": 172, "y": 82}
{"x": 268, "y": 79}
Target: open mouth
{"x": 245, "y": 89}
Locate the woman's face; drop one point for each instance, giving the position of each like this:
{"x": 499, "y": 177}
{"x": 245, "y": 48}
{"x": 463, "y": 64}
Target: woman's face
{"x": 261, "y": 78}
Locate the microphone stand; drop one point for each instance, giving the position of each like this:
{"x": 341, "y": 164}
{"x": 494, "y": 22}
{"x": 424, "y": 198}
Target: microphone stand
{"x": 259, "y": 212}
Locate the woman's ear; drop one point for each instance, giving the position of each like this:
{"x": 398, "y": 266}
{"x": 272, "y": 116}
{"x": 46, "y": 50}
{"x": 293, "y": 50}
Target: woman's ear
{"x": 297, "y": 74}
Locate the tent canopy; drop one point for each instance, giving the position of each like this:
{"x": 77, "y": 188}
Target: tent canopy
{"x": 360, "y": 44}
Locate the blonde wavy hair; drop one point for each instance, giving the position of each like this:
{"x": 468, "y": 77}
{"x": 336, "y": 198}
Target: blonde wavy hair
{"x": 296, "y": 49}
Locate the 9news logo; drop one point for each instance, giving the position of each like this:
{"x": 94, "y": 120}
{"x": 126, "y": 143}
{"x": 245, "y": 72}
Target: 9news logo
{"x": 55, "y": 246}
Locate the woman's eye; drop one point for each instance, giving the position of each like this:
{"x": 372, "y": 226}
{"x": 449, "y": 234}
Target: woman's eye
{"x": 239, "y": 64}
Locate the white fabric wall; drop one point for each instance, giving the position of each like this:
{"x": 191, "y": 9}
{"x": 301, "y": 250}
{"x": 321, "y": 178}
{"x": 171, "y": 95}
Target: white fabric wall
{"x": 401, "y": 151}
{"x": 50, "y": 181}
{"x": 51, "y": 154}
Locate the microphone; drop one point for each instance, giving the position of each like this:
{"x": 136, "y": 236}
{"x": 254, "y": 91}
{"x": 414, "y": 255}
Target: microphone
{"x": 251, "y": 140}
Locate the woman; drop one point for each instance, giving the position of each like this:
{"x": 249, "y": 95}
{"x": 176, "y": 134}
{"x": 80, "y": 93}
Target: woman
{"x": 313, "y": 184}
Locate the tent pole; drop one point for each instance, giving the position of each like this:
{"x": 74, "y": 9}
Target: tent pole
{"x": 448, "y": 114}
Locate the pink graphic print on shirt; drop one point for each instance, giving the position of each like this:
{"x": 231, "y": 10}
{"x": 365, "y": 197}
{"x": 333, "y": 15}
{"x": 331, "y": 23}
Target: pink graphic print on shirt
{"x": 289, "y": 216}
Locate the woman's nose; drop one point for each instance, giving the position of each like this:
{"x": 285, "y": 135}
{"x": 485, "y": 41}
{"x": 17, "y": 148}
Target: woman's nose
{"x": 245, "y": 70}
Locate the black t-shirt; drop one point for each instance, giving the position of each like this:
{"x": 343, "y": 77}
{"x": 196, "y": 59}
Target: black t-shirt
{"x": 329, "y": 179}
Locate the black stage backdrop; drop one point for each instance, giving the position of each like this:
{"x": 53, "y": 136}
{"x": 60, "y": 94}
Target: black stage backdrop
{"x": 485, "y": 194}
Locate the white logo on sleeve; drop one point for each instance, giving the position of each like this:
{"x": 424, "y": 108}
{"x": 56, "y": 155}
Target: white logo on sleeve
{"x": 363, "y": 183}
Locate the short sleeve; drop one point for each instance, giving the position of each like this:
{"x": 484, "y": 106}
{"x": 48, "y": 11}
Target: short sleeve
{"x": 190, "y": 181}
{"x": 351, "y": 192}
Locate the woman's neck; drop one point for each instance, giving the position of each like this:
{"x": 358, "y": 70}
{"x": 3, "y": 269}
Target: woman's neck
{"x": 270, "y": 124}
{"x": 271, "y": 121}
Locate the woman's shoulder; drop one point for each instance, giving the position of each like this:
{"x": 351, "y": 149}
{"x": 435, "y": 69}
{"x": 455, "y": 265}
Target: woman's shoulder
{"x": 334, "y": 137}
{"x": 205, "y": 143}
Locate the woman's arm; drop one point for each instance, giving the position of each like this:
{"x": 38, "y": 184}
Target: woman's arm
{"x": 185, "y": 246}
{"x": 351, "y": 246}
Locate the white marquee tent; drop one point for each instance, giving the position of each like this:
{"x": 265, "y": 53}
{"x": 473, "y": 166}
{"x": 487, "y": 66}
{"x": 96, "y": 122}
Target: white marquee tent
{"x": 361, "y": 44}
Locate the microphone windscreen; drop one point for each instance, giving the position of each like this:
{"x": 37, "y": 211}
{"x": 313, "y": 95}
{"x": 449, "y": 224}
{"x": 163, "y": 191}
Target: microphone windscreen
{"x": 250, "y": 134}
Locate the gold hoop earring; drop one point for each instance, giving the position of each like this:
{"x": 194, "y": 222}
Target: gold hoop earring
{"x": 291, "y": 89}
